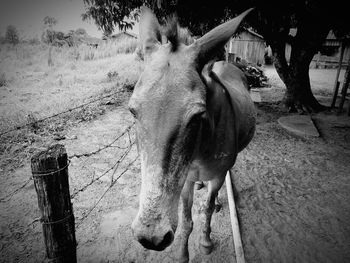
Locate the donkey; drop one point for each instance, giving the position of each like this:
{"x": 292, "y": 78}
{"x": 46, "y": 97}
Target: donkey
{"x": 193, "y": 115}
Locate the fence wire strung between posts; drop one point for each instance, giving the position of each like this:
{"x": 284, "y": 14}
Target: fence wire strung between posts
{"x": 114, "y": 169}
{"x": 60, "y": 113}
{"x": 18, "y": 189}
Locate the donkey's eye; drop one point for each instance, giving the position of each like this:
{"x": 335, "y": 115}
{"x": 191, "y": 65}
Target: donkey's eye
{"x": 196, "y": 118}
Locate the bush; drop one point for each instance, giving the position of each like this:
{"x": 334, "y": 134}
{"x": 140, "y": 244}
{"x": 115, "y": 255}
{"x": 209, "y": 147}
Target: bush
{"x": 12, "y": 36}
{"x": 33, "y": 41}
{"x": 52, "y": 37}
{"x": 112, "y": 75}
{"x": 81, "y": 31}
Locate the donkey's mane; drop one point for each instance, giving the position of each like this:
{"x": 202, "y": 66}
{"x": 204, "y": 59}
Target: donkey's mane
{"x": 175, "y": 34}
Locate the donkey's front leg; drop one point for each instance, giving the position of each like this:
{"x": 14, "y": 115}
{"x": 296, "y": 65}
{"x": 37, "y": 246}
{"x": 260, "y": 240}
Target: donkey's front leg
{"x": 205, "y": 244}
{"x": 187, "y": 223}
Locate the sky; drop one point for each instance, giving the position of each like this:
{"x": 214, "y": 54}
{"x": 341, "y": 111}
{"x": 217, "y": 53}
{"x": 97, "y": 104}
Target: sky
{"x": 27, "y": 16}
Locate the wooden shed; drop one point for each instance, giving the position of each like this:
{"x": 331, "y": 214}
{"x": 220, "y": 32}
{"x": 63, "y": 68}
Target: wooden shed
{"x": 248, "y": 45}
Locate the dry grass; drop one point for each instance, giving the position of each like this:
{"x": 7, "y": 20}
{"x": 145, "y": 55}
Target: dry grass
{"x": 109, "y": 49}
{"x": 77, "y": 75}
{"x": 31, "y": 90}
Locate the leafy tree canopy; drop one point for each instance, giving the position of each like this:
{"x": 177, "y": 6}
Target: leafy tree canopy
{"x": 50, "y": 21}
{"x": 108, "y": 13}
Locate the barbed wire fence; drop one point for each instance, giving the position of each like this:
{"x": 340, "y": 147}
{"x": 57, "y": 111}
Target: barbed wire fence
{"x": 114, "y": 169}
{"x": 16, "y": 128}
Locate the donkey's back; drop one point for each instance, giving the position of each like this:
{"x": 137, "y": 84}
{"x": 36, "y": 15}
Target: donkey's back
{"x": 231, "y": 114}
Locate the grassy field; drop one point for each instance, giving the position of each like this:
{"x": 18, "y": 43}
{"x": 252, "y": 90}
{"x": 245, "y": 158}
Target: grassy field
{"x": 31, "y": 89}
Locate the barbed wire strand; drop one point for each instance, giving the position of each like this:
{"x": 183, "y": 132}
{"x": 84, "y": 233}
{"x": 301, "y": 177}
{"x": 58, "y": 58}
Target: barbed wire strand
{"x": 107, "y": 145}
{"x": 116, "y": 164}
{"x": 10, "y": 195}
{"x": 60, "y": 113}
{"x": 122, "y": 158}
{"x": 104, "y": 193}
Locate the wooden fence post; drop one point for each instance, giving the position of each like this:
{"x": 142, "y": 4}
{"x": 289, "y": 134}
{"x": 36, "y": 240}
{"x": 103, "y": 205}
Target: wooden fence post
{"x": 336, "y": 84}
{"x": 345, "y": 88}
{"x": 237, "y": 240}
{"x": 50, "y": 174}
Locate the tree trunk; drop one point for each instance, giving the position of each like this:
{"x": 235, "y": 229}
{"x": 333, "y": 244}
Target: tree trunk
{"x": 295, "y": 75}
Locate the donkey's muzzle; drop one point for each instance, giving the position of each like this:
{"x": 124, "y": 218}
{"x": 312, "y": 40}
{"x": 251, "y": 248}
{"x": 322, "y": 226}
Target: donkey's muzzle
{"x": 156, "y": 243}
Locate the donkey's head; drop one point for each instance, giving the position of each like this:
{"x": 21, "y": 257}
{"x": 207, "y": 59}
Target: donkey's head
{"x": 169, "y": 104}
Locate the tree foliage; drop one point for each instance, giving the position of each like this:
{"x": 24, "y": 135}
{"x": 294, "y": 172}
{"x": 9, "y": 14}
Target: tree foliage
{"x": 108, "y": 13}
{"x": 81, "y": 31}
{"x": 50, "y": 21}
{"x": 12, "y": 35}
{"x": 49, "y": 35}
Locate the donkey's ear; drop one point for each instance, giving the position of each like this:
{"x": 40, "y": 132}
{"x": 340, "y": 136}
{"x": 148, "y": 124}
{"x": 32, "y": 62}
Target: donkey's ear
{"x": 208, "y": 45}
{"x": 150, "y": 35}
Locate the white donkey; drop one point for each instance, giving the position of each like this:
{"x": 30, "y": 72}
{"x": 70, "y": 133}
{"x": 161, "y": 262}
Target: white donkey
{"x": 193, "y": 116}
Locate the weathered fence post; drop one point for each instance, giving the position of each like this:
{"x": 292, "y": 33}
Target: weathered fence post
{"x": 345, "y": 87}
{"x": 237, "y": 240}
{"x": 336, "y": 84}
{"x": 50, "y": 174}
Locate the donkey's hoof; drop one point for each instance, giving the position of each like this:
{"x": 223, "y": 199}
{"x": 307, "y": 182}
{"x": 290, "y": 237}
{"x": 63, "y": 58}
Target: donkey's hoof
{"x": 206, "y": 246}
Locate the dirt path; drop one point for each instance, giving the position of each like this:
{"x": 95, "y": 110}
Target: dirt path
{"x": 294, "y": 201}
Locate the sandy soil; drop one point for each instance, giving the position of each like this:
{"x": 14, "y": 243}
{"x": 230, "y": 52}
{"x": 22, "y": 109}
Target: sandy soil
{"x": 292, "y": 196}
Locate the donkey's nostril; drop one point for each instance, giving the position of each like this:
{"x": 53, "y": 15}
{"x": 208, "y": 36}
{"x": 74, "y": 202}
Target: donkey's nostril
{"x": 155, "y": 244}
{"x": 146, "y": 243}
{"x": 168, "y": 239}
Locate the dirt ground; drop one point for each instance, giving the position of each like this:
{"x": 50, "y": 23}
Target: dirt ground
{"x": 292, "y": 195}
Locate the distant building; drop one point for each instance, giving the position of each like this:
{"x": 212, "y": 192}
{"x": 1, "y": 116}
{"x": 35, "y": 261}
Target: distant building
{"x": 249, "y": 46}
{"x": 119, "y": 36}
